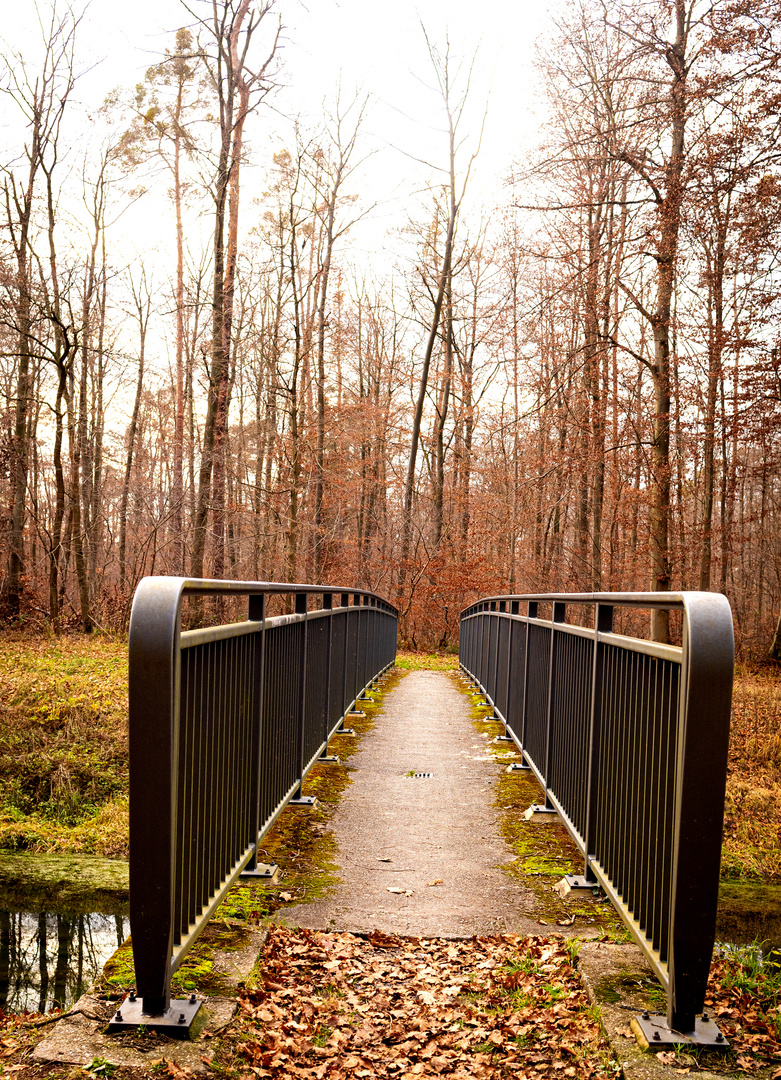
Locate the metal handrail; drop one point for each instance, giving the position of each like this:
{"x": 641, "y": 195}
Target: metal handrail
{"x": 225, "y": 723}
{"x": 629, "y": 740}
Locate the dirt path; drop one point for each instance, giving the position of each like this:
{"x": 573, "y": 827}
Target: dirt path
{"x": 435, "y": 839}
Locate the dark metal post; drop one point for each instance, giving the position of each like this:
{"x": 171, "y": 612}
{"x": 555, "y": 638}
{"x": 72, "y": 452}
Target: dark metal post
{"x": 153, "y": 692}
{"x": 603, "y": 624}
{"x": 508, "y": 677}
{"x": 328, "y": 605}
{"x": 559, "y": 616}
{"x": 345, "y": 604}
{"x": 701, "y": 773}
{"x": 301, "y": 609}
{"x": 257, "y": 613}
{"x": 531, "y": 613}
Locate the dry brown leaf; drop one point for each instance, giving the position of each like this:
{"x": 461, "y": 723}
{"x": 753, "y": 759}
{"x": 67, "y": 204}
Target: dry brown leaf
{"x": 436, "y": 881}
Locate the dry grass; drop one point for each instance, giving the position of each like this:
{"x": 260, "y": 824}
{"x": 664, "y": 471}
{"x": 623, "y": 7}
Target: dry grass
{"x": 752, "y": 836}
{"x": 63, "y": 744}
{"x": 63, "y": 751}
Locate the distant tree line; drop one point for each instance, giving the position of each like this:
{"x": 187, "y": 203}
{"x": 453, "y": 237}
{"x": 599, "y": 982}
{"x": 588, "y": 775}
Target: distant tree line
{"x": 579, "y": 390}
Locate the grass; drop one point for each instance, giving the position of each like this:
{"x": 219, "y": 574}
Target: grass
{"x": 414, "y": 661}
{"x": 63, "y": 744}
{"x": 752, "y": 826}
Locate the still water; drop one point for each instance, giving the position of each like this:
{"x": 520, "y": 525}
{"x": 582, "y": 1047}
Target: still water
{"x": 48, "y": 960}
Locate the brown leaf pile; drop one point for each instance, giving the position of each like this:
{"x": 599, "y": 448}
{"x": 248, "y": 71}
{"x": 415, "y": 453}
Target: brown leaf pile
{"x": 337, "y": 1006}
{"x": 749, "y": 1018}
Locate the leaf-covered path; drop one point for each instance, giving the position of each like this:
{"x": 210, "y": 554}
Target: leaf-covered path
{"x": 332, "y": 1006}
{"x": 421, "y": 855}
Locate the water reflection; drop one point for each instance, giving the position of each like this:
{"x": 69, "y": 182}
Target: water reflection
{"x": 48, "y": 960}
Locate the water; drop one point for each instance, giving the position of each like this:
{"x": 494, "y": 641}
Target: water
{"x": 749, "y": 911}
{"x": 48, "y": 959}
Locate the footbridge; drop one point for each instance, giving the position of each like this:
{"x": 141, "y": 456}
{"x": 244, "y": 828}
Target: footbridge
{"x": 626, "y": 738}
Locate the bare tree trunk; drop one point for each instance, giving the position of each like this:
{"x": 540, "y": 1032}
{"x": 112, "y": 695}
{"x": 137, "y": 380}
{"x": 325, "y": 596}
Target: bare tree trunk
{"x": 143, "y": 305}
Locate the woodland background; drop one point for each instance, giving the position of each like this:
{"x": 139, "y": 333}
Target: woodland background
{"x": 577, "y": 388}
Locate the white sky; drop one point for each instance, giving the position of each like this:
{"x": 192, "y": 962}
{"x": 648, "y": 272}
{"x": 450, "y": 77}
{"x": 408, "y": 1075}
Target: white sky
{"x": 372, "y": 46}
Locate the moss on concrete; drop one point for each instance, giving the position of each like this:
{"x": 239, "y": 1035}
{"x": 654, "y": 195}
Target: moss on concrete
{"x": 542, "y": 851}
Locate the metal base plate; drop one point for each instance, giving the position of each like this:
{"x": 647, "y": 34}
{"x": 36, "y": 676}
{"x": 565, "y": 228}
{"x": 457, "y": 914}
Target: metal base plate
{"x": 345, "y": 730}
{"x": 574, "y": 881}
{"x": 518, "y": 766}
{"x": 659, "y": 1036}
{"x": 356, "y": 714}
{"x": 537, "y": 811}
{"x": 503, "y": 738}
{"x": 175, "y": 1023}
{"x": 329, "y": 759}
{"x": 304, "y": 800}
{"x": 263, "y": 871}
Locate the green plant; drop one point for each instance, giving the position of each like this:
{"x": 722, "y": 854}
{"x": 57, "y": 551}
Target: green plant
{"x": 100, "y": 1067}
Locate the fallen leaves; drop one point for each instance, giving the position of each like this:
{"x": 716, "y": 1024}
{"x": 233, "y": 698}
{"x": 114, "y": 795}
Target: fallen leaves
{"x": 437, "y": 881}
{"x": 338, "y": 1006}
{"x": 745, "y": 1007}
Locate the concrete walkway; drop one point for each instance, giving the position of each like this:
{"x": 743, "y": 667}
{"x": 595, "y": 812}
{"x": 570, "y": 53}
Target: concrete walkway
{"x": 421, "y": 856}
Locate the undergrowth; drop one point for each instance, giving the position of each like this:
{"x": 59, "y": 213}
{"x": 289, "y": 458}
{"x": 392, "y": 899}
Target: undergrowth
{"x": 63, "y": 744}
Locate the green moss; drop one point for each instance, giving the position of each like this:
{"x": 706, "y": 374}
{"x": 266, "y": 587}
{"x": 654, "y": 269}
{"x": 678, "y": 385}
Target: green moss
{"x": 615, "y": 989}
{"x": 543, "y": 852}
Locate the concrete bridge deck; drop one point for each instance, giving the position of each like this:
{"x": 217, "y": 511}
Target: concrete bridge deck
{"x": 421, "y": 855}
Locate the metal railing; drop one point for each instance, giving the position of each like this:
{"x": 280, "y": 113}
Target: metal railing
{"x": 629, "y": 740}
{"x": 225, "y": 723}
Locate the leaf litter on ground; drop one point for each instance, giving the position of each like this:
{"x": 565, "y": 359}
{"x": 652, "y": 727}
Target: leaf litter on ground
{"x": 331, "y": 1006}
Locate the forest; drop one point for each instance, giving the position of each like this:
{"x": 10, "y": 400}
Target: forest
{"x": 574, "y": 388}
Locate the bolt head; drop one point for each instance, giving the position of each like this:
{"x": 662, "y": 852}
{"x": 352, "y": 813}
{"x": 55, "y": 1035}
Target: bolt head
{"x": 657, "y": 1035}
{"x": 118, "y": 1016}
{"x": 181, "y": 1018}
{"x": 719, "y": 1037}
{"x": 646, "y": 1015}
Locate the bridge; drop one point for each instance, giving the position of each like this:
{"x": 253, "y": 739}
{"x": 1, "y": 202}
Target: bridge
{"x": 627, "y": 739}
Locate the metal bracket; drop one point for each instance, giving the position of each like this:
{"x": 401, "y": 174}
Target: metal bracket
{"x": 536, "y": 811}
{"x": 357, "y": 714}
{"x": 344, "y": 731}
{"x": 303, "y": 800}
{"x": 570, "y": 882}
{"x": 176, "y": 1022}
{"x": 518, "y": 766}
{"x": 263, "y": 871}
{"x": 657, "y": 1033}
{"x": 503, "y": 738}
{"x": 329, "y": 759}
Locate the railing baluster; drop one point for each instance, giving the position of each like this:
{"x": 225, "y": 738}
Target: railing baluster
{"x": 629, "y": 740}
{"x": 219, "y": 743}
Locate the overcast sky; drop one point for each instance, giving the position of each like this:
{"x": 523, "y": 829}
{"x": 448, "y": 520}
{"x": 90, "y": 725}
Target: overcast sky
{"x": 375, "y": 48}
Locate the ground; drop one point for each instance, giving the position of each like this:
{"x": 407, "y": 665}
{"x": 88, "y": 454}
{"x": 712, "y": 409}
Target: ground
{"x": 62, "y": 732}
